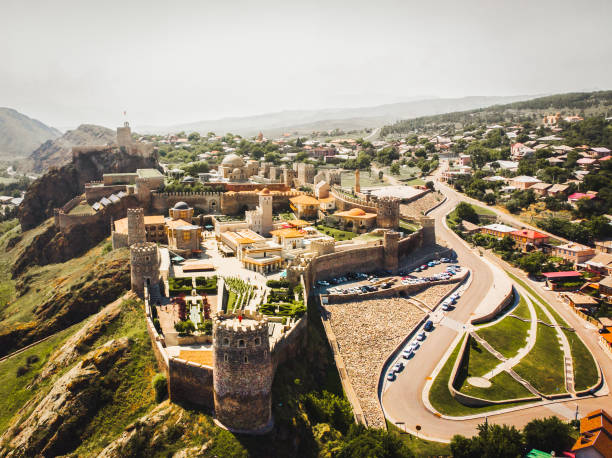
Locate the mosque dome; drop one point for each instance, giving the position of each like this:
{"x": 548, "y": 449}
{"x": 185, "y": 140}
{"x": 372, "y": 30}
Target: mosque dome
{"x": 181, "y": 206}
{"x": 232, "y": 160}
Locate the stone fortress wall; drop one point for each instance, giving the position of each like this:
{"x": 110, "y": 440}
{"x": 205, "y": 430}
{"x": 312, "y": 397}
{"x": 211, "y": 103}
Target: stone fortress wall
{"x": 64, "y": 220}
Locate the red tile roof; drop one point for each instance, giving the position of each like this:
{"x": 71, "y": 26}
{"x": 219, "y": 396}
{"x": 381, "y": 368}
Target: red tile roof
{"x": 571, "y": 273}
{"x": 529, "y": 234}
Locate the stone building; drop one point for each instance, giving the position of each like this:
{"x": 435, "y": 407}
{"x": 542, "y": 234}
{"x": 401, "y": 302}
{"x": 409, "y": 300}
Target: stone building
{"x": 144, "y": 263}
{"x": 288, "y": 177}
{"x": 183, "y": 237}
{"x": 136, "y": 226}
{"x": 260, "y": 220}
{"x": 181, "y": 210}
{"x": 391, "y": 245}
{"x": 242, "y": 373}
{"x": 388, "y": 210}
{"x": 234, "y": 168}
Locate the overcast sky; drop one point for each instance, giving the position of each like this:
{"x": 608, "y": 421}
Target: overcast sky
{"x": 68, "y": 62}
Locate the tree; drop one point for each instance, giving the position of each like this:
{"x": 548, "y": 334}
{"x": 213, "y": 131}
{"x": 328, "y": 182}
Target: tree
{"x": 430, "y": 185}
{"x": 182, "y": 308}
{"x": 394, "y": 169}
{"x": 373, "y": 443}
{"x": 302, "y": 156}
{"x": 194, "y": 137}
{"x": 466, "y": 212}
{"x": 492, "y": 441}
{"x": 380, "y": 175}
{"x": 548, "y": 434}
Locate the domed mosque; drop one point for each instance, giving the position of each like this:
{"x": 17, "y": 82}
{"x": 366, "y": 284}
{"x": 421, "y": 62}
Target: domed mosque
{"x": 234, "y": 168}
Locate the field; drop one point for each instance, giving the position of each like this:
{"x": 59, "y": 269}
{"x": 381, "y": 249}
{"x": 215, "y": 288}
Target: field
{"x": 336, "y": 233}
{"x": 507, "y": 336}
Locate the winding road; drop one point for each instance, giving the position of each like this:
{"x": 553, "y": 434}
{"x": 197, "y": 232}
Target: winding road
{"x": 402, "y": 400}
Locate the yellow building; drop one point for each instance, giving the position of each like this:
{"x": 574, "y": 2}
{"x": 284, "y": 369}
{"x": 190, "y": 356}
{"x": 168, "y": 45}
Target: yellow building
{"x": 306, "y": 207}
{"x": 183, "y": 237}
{"x": 356, "y": 220}
{"x": 289, "y": 238}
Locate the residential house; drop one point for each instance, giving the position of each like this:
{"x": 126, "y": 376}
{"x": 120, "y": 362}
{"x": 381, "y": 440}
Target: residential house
{"x": 595, "y": 435}
{"x": 541, "y": 189}
{"x": 556, "y": 280}
{"x": 551, "y": 120}
{"x": 586, "y": 162}
{"x": 605, "y": 286}
{"x": 604, "y": 246}
{"x": 523, "y": 181}
{"x": 601, "y": 151}
{"x": 601, "y": 263}
{"x": 573, "y": 252}
{"x": 557, "y": 189}
{"x": 520, "y": 150}
{"x": 306, "y": 207}
{"x": 526, "y": 238}
{"x": 575, "y": 197}
{"x": 497, "y": 230}
{"x": 580, "y": 301}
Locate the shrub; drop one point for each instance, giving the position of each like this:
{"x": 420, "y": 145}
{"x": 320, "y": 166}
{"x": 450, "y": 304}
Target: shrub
{"x": 22, "y": 370}
{"x": 32, "y": 359}
{"x": 184, "y": 327}
{"x": 206, "y": 327}
{"x": 160, "y": 385}
{"x": 157, "y": 325}
{"x": 277, "y": 284}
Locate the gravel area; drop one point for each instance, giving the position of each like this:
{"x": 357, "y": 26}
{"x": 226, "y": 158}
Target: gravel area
{"x": 417, "y": 207}
{"x": 367, "y": 332}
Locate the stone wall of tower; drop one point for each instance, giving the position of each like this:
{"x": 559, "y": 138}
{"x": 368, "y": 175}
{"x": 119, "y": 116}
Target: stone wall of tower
{"x": 391, "y": 255}
{"x": 144, "y": 266}
{"x": 387, "y": 213}
{"x": 136, "y": 226}
{"x": 288, "y": 177}
{"x": 305, "y": 173}
{"x": 267, "y": 219}
{"x": 242, "y": 374}
{"x": 357, "y": 181}
{"x": 429, "y": 230}
{"x": 124, "y": 135}
{"x": 322, "y": 247}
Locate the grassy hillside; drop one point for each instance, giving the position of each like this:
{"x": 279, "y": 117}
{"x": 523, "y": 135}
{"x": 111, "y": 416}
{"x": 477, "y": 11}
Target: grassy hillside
{"x": 581, "y": 103}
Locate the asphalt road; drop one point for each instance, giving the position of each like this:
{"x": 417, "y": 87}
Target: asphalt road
{"x": 402, "y": 400}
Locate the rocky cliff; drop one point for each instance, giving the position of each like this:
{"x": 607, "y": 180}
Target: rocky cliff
{"x": 56, "y": 152}
{"x": 53, "y": 427}
{"x": 58, "y": 186}
{"x": 20, "y": 135}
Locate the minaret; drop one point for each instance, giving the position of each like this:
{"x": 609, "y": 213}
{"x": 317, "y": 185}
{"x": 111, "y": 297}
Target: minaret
{"x": 357, "y": 185}
{"x": 265, "y": 205}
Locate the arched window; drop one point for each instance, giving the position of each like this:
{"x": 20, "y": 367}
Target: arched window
{"x": 257, "y": 341}
{"x": 226, "y": 341}
{"x": 225, "y": 358}
{"x": 246, "y": 359}
{"x": 241, "y": 343}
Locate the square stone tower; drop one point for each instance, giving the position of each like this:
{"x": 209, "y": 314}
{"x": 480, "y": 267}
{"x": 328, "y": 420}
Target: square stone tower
{"x": 265, "y": 206}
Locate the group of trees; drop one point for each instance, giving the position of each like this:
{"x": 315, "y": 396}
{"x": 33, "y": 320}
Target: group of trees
{"x": 585, "y": 232}
{"x": 501, "y": 441}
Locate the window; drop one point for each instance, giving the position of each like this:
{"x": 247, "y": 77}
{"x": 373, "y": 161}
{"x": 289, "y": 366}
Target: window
{"x": 225, "y": 358}
{"x": 246, "y": 359}
{"x": 186, "y": 235}
{"x": 257, "y": 341}
{"x": 226, "y": 342}
{"x": 241, "y": 343}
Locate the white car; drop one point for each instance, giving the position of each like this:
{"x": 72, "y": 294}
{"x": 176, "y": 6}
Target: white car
{"x": 421, "y": 335}
{"x": 391, "y": 376}
{"x": 407, "y": 354}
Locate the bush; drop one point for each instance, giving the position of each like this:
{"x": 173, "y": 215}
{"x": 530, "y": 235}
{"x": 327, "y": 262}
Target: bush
{"x": 32, "y": 359}
{"x": 206, "y": 327}
{"x": 157, "y": 325}
{"x": 160, "y": 385}
{"x": 22, "y": 370}
{"x": 277, "y": 284}
{"x": 184, "y": 327}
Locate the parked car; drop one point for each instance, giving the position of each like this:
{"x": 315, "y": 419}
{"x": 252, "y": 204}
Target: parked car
{"x": 421, "y": 336}
{"x": 391, "y": 376}
{"x": 398, "y": 367}
{"x": 429, "y": 326}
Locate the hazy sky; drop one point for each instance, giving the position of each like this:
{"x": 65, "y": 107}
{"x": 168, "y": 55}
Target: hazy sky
{"x": 67, "y": 62}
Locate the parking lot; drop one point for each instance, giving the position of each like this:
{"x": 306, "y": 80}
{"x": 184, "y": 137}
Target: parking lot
{"x": 360, "y": 282}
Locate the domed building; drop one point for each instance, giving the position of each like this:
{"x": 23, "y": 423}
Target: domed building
{"x": 181, "y": 210}
{"x": 356, "y": 220}
{"x": 234, "y": 168}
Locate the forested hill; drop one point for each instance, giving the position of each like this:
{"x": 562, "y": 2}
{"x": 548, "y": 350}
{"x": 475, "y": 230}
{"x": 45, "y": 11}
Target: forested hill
{"x": 583, "y": 104}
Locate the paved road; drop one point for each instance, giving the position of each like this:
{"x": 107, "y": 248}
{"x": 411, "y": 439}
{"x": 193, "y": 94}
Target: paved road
{"x": 402, "y": 401}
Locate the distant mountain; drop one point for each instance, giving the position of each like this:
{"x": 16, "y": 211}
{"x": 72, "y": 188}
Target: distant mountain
{"x": 55, "y": 153}
{"x": 303, "y": 121}
{"x": 573, "y": 103}
{"x": 20, "y": 135}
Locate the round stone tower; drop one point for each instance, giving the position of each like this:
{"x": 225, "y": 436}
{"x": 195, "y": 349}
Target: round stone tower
{"x": 144, "y": 266}
{"x": 387, "y": 215}
{"x": 136, "y": 226}
{"x": 242, "y": 373}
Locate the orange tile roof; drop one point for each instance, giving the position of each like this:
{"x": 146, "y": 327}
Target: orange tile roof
{"x": 303, "y": 199}
{"x": 355, "y": 213}
{"x": 174, "y": 223}
{"x": 595, "y": 432}
{"x": 529, "y": 234}
{"x": 287, "y": 232}
{"x": 154, "y": 219}
{"x": 299, "y": 223}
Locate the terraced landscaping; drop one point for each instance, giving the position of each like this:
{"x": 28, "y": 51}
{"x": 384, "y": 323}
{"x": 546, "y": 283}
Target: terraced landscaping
{"x": 543, "y": 366}
{"x": 508, "y": 336}
{"x": 586, "y": 372}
